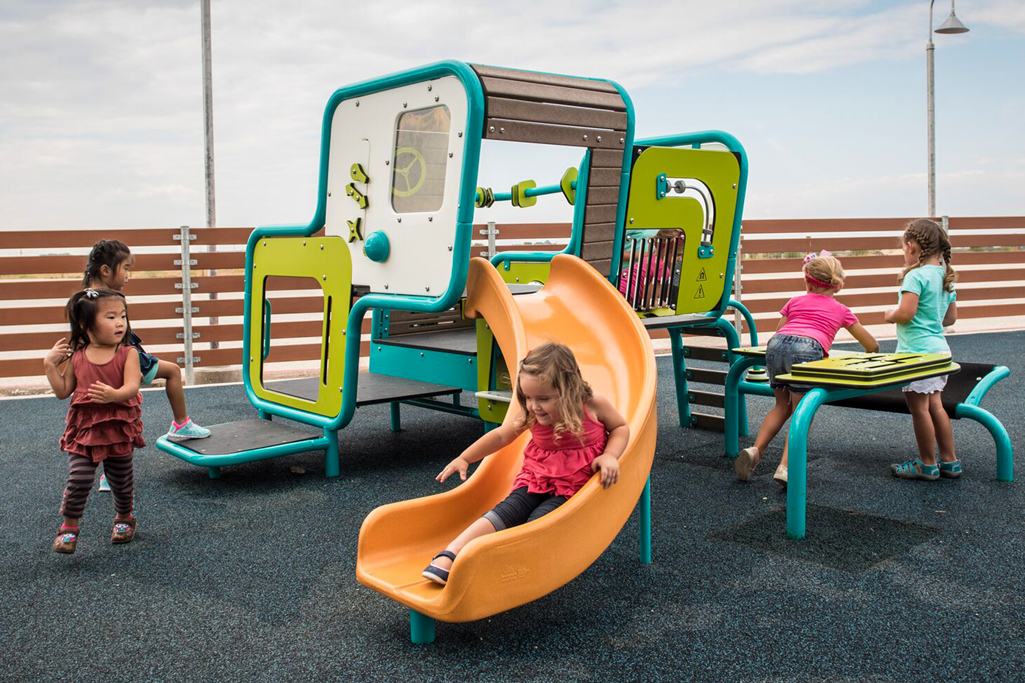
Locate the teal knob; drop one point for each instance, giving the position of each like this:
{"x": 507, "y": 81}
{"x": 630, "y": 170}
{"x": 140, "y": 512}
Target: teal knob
{"x": 376, "y": 247}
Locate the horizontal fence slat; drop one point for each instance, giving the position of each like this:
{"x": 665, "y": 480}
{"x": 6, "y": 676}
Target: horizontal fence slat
{"x": 513, "y": 231}
{"x": 838, "y": 225}
{"x": 768, "y": 265}
{"x": 860, "y": 299}
{"x": 837, "y": 244}
{"x": 796, "y": 282}
{"x": 43, "y": 265}
{"x": 135, "y": 237}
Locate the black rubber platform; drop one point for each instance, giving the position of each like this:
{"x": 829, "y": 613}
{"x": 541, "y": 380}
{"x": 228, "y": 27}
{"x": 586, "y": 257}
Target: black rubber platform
{"x": 462, "y": 341}
{"x": 372, "y": 388}
{"x": 246, "y": 435}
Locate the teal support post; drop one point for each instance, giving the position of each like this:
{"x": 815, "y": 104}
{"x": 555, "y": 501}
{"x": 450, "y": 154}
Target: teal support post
{"x": 645, "y": 522}
{"x": 396, "y": 420}
{"x": 733, "y": 342}
{"x": 421, "y": 628}
{"x": 1005, "y": 456}
{"x": 680, "y": 376}
{"x": 332, "y": 468}
{"x": 214, "y": 472}
{"x": 732, "y": 403}
{"x": 797, "y": 467}
{"x": 263, "y": 414}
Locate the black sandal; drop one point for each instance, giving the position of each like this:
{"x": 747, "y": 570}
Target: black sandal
{"x": 437, "y": 574}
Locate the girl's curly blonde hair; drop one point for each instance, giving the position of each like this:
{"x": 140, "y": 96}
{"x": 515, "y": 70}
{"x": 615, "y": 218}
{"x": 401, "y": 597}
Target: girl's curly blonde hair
{"x": 931, "y": 241}
{"x": 555, "y": 365}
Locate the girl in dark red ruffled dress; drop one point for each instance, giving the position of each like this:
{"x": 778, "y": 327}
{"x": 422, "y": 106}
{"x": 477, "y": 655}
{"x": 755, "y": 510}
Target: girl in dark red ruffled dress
{"x": 104, "y": 422}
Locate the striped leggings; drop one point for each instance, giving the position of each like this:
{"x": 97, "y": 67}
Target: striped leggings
{"x": 82, "y": 472}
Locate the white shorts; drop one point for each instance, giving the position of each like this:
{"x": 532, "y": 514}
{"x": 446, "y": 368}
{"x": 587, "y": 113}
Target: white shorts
{"x": 926, "y": 386}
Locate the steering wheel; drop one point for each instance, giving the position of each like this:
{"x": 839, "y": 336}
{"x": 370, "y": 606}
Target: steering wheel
{"x": 415, "y": 159}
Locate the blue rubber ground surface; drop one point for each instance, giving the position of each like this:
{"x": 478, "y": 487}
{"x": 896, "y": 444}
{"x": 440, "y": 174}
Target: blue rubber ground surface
{"x": 252, "y": 577}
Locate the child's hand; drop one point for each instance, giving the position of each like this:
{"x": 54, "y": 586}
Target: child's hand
{"x": 60, "y": 351}
{"x": 458, "y": 465}
{"x": 609, "y": 467}
{"x": 101, "y": 393}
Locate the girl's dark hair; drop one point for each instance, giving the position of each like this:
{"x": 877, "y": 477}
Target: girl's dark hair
{"x": 931, "y": 240}
{"x": 108, "y": 253}
{"x": 81, "y": 314}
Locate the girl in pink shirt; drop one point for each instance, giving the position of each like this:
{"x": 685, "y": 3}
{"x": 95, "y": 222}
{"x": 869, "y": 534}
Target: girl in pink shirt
{"x": 574, "y": 433}
{"x": 806, "y": 330}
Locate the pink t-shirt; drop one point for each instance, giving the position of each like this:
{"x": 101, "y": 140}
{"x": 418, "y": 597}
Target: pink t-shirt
{"x": 816, "y": 316}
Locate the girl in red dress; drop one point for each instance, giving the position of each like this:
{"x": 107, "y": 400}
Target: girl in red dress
{"x": 574, "y": 433}
{"x": 104, "y": 422}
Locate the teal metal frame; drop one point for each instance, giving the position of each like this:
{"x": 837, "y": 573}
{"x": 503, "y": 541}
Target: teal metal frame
{"x": 800, "y": 423}
{"x": 457, "y": 281}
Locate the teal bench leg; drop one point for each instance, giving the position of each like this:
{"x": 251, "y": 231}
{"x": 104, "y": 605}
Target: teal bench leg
{"x": 331, "y": 464}
{"x": 645, "y": 522}
{"x": 680, "y": 377}
{"x": 396, "y": 422}
{"x": 214, "y": 472}
{"x": 263, "y": 414}
{"x": 732, "y": 403}
{"x": 421, "y": 628}
{"x": 1005, "y": 456}
{"x": 797, "y": 484}
{"x": 733, "y": 342}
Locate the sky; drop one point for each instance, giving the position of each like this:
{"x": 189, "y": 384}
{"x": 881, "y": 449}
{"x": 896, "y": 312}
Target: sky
{"x": 101, "y": 123}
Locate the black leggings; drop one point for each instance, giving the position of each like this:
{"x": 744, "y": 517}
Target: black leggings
{"x": 82, "y": 472}
{"x": 521, "y": 507}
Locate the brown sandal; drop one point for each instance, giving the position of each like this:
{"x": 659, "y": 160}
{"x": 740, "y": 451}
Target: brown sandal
{"x": 67, "y": 539}
{"x": 124, "y": 530}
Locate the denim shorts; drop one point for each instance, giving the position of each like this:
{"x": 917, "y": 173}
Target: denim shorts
{"x": 784, "y": 351}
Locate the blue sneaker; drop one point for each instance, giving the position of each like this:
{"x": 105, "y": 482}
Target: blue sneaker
{"x": 104, "y": 486}
{"x": 189, "y": 430}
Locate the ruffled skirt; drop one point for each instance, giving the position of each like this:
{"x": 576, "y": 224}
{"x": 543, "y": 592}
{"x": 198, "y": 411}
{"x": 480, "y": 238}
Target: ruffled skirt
{"x": 100, "y": 431}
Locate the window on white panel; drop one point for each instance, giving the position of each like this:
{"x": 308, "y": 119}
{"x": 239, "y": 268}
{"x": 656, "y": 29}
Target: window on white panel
{"x": 420, "y": 160}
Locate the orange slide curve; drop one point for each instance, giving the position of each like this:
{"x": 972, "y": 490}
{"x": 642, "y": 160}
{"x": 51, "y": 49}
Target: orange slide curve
{"x": 503, "y": 570}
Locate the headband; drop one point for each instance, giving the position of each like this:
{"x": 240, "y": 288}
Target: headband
{"x": 819, "y": 283}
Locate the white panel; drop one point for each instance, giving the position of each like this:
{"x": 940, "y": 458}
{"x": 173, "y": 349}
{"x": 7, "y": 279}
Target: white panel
{"x": 420, "y": 260}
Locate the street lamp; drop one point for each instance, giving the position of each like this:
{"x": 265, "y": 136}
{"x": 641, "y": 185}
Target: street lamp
{"x": 951, "y": 25}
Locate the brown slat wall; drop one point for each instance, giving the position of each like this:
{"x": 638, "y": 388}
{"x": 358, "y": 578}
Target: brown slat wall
{"x": 764, "y": 289}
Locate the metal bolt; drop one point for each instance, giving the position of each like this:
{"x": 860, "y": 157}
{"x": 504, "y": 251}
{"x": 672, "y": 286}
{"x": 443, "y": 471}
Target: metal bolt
{"x": 386, "y": 287}
{"x": 265, "y": 243}
{"x": 378, "y": 348}
{"x": 450, "y": 247}
{"x": 459, "y": 134}
{"x": 357, "y": 103}
{"x": 491, "y": 129}
{"x": 322, "y": 247}
{"x": 323, "y": 277}
{"x": 436, "y": 98}
{"x": 631, "y": 221}
{"x": 343, "y": 332}
{"x": 734, "y": 186}
{"x": 722, "y": 275}
{"x": 427, "y": 288}
{"x": 304, "y": 243}
{"x": 599, "y": 138}
{"x": 663, "y": 194}
{"x": 400, "y": 219}
{"x": 469, "y": 360}
{"x": 421, "y": 354}
{"x": 450, "y": 155}
{"x": 585, "y": 137}
{"x": 430, "y": 219}
{"x": 250, "y": 359}
{"x": 386, "y": 162}
{"x": 621, "y": 140}
{"x": 501, "y": 130}
{"x": 430, "y": 88}
{"x": 329, "y": 193}
{"x": 404, "y": 104}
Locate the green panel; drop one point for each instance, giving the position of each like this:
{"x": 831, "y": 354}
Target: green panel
{"x": 524, "y": 272}
{"x": 326, "y": 260}
{"x": 871, "y": 365}
{"x": 870, "y": 382}
{"x": 422, "y": 365}
{"x": 492, "y": 373}
{"x": 703, "y": 280}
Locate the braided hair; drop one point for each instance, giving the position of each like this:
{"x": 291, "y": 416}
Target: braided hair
{"x": 110, "y": 253}
{"x": 932, "y": 241}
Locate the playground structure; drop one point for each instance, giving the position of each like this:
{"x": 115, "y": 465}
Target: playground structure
{"x": 396, "y": 200}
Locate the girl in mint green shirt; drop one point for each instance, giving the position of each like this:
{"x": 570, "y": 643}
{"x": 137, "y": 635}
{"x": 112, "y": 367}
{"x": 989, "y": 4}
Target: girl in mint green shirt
{"x": 924, "y": 307}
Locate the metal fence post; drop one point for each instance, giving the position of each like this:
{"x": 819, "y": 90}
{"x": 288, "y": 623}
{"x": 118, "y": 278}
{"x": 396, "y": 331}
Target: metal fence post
{"x": 737, "y": 287}
{"x": 186, "y": 286}
{"x": 491, "y": 232}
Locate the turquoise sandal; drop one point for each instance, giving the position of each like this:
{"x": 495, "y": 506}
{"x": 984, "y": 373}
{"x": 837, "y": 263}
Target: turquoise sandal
{"x": 950, "y": 470}
{"x": 915, "y": 469}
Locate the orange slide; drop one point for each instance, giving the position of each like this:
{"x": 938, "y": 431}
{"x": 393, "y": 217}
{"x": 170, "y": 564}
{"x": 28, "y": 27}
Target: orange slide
{"x": 497, "y": 572}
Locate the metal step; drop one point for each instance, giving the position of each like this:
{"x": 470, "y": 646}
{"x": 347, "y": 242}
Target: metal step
{"x": 706, "y": 398}
{"x": 705, "y": 353}
{"x": 705, "y": 376}
{"x": 248, "y": 435}
{"x": 371, "y": 389}
{"x": 704, "y": 421}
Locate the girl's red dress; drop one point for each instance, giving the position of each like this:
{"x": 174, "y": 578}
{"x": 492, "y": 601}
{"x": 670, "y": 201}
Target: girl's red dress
{"x": 102, "y": 430}
{"x": 561, "y": 466}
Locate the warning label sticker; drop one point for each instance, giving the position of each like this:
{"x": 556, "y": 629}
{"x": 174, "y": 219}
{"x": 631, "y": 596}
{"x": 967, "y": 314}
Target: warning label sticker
{"x": 700, "y": 293}
{"x": 701, "y": 276}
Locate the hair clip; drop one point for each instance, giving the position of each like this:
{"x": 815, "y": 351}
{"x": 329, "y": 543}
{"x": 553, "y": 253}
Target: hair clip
{"x": 821, "y": 254}
{"x": 91, "y": 293}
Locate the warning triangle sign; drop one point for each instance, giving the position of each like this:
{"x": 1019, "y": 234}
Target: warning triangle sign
{"x": 701, "y": 293}
{"x": 701, "y": 276}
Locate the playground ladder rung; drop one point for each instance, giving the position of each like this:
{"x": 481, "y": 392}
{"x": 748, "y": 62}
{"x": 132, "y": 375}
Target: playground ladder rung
{"x": 704, "y": 376}
{"x": 704, "y": 421}
{"x": 706, "y": 398}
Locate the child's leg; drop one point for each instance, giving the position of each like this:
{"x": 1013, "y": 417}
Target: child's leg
{"x": 547, "y": 506}
{"x": 514, "y": 510}
{"x": 81, "y": 472}
{"x": 172, "y": 374}
{"x": 749, "y": 458}
{"x": 121, "y": 476}
{"x": 925, "y": 433}
{"x": 942, "y": 427}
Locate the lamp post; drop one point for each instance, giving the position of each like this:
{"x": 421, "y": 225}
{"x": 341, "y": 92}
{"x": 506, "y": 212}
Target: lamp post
{"x": 950, "y": 26}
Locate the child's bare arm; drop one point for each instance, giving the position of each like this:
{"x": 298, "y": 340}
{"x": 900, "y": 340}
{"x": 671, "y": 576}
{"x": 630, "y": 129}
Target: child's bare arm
{"x": 494, "y": 440}
{"x": 864, "y": 337}
{"x": 905, "y": 311}
{"x": 102, "y": 393}
{"x": 781, "y": 323}
{"x": 619, "y": 436}
{"x": 61, "y": 379}
{"x": 950, "y": 317}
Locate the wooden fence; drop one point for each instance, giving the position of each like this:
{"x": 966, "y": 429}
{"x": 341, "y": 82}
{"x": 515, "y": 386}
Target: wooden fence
{"x": 40, "y": 270}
